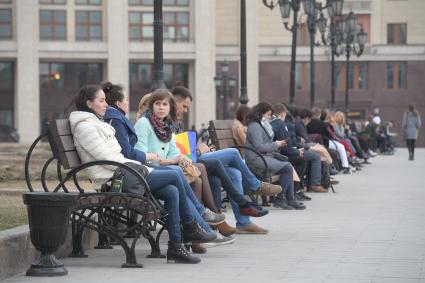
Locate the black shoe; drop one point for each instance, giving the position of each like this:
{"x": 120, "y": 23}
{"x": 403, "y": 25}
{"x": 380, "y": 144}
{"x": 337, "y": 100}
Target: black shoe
{"x": 253, "y": 209}
{"x": 177, "y": 253}
{"x": 195, "y": 234}
{"x": 296, "y": 205}
{"x": 301, "y": 196}
{"x": 333, "y": 171}
{"x": 282, "y": 204}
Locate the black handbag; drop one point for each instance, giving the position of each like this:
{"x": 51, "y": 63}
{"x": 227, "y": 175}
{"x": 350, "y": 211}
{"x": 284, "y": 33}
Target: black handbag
{"x": 126, "y": 181}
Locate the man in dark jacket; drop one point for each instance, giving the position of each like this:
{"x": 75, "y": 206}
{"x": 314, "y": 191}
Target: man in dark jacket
{"x": 300, "y": 157}
{"x": 317, "y": 126}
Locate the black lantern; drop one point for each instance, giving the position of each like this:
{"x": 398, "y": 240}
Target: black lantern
{"x": 350, "y": 23}
{"x": 361, "y": 38}
{"x": 285, "y": 8}
{"x": 224, "y": 85}
{"x": 338, "y": 4}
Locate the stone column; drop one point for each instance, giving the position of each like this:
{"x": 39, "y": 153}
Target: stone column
{"x": 204, "y": 37}
{"x": 27, "y": 100}
{"x": 117, "y": 39}
{"x": 252, "y": 48}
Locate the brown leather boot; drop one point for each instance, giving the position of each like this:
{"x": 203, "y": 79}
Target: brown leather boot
{"x": 225, "y": 229}
{"x": 198, "y": 249}
{"x": 318, "y": 189}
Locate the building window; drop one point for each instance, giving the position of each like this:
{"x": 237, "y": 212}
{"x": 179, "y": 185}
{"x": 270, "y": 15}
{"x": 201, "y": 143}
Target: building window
{"x": 59, "y": 83}
{"x": 88, "y": 25}
{"x": 54, "y": 2}
{"x": 302, "y": 76}
{"x": 6, "y": 99}
{"x": 397, "y": 33}
{"x": 176, "y": 26}
{"x": 141, "y": 26}
{"x": 164, "y": 2}
{"x": 52, "y": 75}
{"x": 140, "y": 2}
{"x": 357, "y": 76}
{"x": 176, "y": 2}
{"x": 141, "y": 76}
{"x": 52, "y": 25}
{"x": 396, "y": 76}
{"x": 88, "y": 2}
{"x": 5, "y": 24}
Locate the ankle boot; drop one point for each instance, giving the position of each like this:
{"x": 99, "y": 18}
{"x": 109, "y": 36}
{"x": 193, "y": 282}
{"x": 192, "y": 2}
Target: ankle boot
{"x": 177, "y": 253}
{"x": 194, "y": 233}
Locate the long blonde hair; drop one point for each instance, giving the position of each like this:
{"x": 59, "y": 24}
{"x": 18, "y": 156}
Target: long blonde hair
{"x": 340, "y": 118}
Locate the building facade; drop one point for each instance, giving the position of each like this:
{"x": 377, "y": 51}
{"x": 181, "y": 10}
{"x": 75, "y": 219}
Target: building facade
{"x": 50, "y": 48}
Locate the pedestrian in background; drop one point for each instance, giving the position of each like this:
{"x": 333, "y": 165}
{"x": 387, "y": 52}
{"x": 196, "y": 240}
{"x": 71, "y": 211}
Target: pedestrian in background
{"x": 411, "y": 125}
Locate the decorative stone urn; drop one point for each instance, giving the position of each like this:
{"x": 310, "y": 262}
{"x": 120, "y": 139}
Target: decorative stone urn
{"x": 48, "y": 216}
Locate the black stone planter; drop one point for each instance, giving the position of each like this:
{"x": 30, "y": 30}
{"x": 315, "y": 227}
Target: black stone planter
{"x": 48, "y": 216}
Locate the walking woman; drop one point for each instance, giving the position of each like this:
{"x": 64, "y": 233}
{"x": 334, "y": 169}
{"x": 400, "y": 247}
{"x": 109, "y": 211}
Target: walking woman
{"x": 411, "y": 124}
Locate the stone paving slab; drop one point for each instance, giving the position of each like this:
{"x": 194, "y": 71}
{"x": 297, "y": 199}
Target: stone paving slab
{"x": 371, "y": 230}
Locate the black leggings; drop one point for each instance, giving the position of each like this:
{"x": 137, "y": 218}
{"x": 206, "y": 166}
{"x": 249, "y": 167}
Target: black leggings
{"x": 411, "y": 146}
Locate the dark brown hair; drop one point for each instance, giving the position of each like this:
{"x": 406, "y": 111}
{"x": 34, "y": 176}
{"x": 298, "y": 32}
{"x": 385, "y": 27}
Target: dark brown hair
{"x": 279, "y": 108}
{"x": 86, "y": 93}
{"x": 258, "y": 111}
{"x": 181, "y": 92}
{"x": 242, "y": 113}
{"x": 113, "y": 93}
{"x": 161, "y": 94}
{"x": 412, "y": 109}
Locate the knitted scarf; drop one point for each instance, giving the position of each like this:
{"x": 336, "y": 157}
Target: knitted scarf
{"x": 163, "y": 129}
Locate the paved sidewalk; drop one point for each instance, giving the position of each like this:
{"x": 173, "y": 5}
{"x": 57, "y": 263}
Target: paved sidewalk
{"x": 371, "y": 230}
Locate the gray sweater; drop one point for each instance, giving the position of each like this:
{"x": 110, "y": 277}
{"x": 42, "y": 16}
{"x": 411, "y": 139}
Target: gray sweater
{"x": 411, "y": 125}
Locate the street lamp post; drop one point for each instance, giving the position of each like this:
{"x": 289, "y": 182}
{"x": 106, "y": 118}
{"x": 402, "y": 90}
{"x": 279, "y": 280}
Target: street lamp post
{"x": 224, "y": 84}
{"x": 243, "y": 99}
{"x": 312, "y": 9}
{"x": 286, "y": 6}
{"x": 158, "y": 73}
{"x": 334, "y": 8}
{"x": 353, "y": 42}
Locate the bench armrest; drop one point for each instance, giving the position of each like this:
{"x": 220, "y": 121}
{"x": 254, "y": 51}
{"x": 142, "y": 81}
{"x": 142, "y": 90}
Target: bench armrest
{"x": 74, "y": 171}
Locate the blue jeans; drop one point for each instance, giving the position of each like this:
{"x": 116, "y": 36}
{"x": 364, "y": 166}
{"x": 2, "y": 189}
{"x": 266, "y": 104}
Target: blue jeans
{"x": 236, "y": 177}
{"x": 192, "y": 202}
{"x": 170, "y": 195}
{"x": 286, "y": 181}
{"x": 230, "y": 157}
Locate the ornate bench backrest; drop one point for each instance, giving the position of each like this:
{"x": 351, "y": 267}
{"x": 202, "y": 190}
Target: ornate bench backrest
{"x": 62, "y": 143}
{"x": 221, "y": 133}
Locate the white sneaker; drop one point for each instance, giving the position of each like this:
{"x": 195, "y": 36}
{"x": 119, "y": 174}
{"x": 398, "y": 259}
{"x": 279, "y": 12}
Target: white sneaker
{"x": 372, "y": 153}
{"x": 219, "y": 241}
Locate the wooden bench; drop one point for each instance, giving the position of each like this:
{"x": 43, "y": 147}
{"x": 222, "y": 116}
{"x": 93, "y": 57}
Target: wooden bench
{"x": 118, "y": 214}
{"x": 221, "y": 136}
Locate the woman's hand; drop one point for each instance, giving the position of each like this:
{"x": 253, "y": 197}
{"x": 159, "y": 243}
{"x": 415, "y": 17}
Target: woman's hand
{"x": 173, "y": 161}
{"x": 152, "y": 156}
{"x": 184, "y": 161}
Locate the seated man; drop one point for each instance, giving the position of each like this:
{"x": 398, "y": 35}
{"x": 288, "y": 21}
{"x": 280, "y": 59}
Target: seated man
{"x": 298, "y": 157}
{"x": 233, "y": 163}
